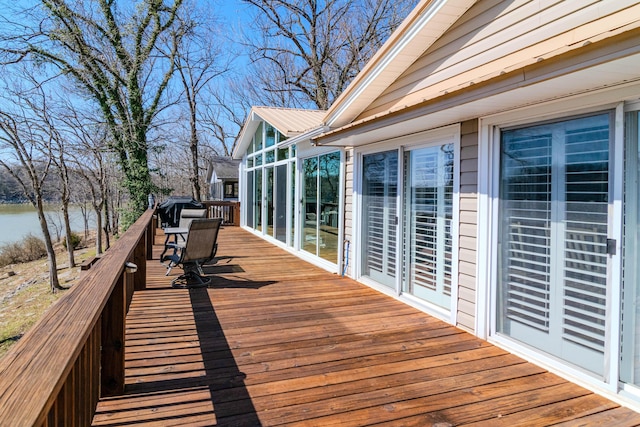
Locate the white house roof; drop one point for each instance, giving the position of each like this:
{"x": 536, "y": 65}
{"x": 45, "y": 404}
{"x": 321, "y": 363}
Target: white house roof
{"x": 290, "y": 122}
{"x": 431, "y": 19}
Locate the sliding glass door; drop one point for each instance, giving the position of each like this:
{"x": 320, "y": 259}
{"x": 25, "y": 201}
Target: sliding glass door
{"x": 379, "y": 216}
{"x": 428, "y": 206}
{"x": 554, "y": 201}
{"x": 321, "y": 206}
{"x": 280, "y": 205}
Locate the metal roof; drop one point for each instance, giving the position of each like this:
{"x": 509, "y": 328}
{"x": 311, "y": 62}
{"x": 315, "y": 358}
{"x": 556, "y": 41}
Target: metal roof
{"x": 288, "y": 121}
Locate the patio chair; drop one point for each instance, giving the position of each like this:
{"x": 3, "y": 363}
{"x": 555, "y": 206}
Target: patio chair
{"x": 199, "y": 248}
{"x": 188, "y": 215}
{"x": 179, "y": 233}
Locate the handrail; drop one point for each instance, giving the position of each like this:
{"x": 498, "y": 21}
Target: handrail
{"x": 227, "y": 210}
{"x": 74, "y": 355}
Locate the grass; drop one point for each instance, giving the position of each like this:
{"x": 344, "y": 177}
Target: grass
{"x": 26, "y": 295}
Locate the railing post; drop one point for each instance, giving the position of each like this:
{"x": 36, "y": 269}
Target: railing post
{"x": 236, "y": 213}
{"x": 149, "y": 237}
{"x": 140, "y": 256}
{"x": 113, "y": 330}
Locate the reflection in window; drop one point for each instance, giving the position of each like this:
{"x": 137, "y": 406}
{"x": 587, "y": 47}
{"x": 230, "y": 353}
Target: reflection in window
{"x": 283, "y": 153}
{"x": 270, "y": 135}
{"x": 258, "y": 138}
{"x": 321, "y": 180}
{"x": 269, "y": 156}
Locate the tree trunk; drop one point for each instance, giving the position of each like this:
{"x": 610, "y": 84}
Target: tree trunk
{"x": 67, "y": 230}
{"x": 98, "y": 230}
{"x": 193, "y": 146}
{"x": 51, "y": 254}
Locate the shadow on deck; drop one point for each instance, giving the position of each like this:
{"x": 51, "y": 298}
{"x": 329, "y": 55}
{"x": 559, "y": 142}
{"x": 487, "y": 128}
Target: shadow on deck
{"x": 277, "y": 341}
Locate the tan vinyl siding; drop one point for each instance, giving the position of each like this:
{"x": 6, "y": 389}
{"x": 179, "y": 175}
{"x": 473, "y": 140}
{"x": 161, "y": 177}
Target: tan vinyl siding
{"x": 468, "y": 225}
{"x": 348, "y": 211}
{"x": 496, "y": 37}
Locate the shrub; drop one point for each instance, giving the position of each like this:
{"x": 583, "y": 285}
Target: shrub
{"x": 75, "y": 241}
{"x": 33, "y": 248}
{"x": 30, "y": 248}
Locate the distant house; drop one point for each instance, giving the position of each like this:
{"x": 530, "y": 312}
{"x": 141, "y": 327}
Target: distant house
{"x": 484, "y": 167}
{"x": 222, "y": 176}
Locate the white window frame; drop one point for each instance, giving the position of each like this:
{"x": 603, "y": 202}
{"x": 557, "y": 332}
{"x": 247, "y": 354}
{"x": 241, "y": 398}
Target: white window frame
{"x": 488, "y": 199}
{"x": 439, "y": 136}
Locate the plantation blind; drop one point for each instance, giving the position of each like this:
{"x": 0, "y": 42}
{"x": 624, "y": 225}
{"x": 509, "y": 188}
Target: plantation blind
{"x": 428, "y": 184}
{"x": 554, "y": 196}
{"x": 379, "y": 214}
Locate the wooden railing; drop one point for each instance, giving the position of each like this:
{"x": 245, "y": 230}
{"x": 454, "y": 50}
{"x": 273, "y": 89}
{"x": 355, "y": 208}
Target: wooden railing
{"x": 56, "y": 373}
{"x": 228, "y": 211}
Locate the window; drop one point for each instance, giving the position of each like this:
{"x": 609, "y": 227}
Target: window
{"x": 231, "y": 189}
{"x": 269, "y": 156}
{"x": 270, "y": 135}
{"x": 257, "y": 139}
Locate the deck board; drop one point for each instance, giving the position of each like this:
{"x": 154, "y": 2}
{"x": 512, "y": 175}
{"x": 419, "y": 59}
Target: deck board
{"x": 277, "y": 341}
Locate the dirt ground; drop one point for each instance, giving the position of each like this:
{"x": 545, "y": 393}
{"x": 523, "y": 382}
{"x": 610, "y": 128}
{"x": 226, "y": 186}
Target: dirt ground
{"x": 25, "y": 293}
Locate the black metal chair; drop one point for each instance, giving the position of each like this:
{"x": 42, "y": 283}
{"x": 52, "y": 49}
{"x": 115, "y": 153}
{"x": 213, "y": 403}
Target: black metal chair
{"x": 199, "y": 248}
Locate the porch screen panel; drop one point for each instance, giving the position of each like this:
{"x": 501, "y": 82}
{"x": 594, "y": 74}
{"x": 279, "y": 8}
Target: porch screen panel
{"x": 379, "y": 216}
{"x": 553, "y": 264}
{"x": 429, "y": 210}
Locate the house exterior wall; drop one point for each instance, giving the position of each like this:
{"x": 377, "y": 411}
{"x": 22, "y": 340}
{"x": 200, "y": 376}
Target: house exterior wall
{"x": 348, "y": 214}
{"x": 467, "y": 258}
{"x": 494, "y": 38}
{"x": 509, "y": 65}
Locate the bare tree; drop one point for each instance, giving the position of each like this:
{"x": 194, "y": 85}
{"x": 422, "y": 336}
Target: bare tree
{"x": 110, "y": 50}
{"x": 30, "y": 144}
{"x": 222, "y": 118}
{"x": 198, "y": 61}
{"x": 89, "y": 155}
{"x": 306, "y": 52}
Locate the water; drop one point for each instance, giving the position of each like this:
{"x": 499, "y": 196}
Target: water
{"x": 17, "y": 221}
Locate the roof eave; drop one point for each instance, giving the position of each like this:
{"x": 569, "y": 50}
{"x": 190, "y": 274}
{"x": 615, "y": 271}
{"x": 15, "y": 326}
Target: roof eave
{"x": 426, "y": 24}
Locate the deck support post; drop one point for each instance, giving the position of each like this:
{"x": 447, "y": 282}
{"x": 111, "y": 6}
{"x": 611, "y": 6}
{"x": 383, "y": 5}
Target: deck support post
{"x": 113, "y": 330}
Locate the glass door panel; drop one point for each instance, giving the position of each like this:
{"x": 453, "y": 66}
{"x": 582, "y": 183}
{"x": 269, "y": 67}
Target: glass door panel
{"x": 379, "y": 216}
{"x": 294, "y": 205}
{"x": 554, "y": 199}
{"x": 630, "y": 364}
{"x": 309, "y": 215}
{"x": 428, "y": 205}
{"x": 269, "y": 207}
{"x": 258, "y": 200}
{"x": 250, "y": 201}
{"x": 329, "y": 170}
{"x": 280, "y": 230}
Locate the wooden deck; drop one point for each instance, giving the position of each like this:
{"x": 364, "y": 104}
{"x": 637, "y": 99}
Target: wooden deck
{"x": 277, "y": 341}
